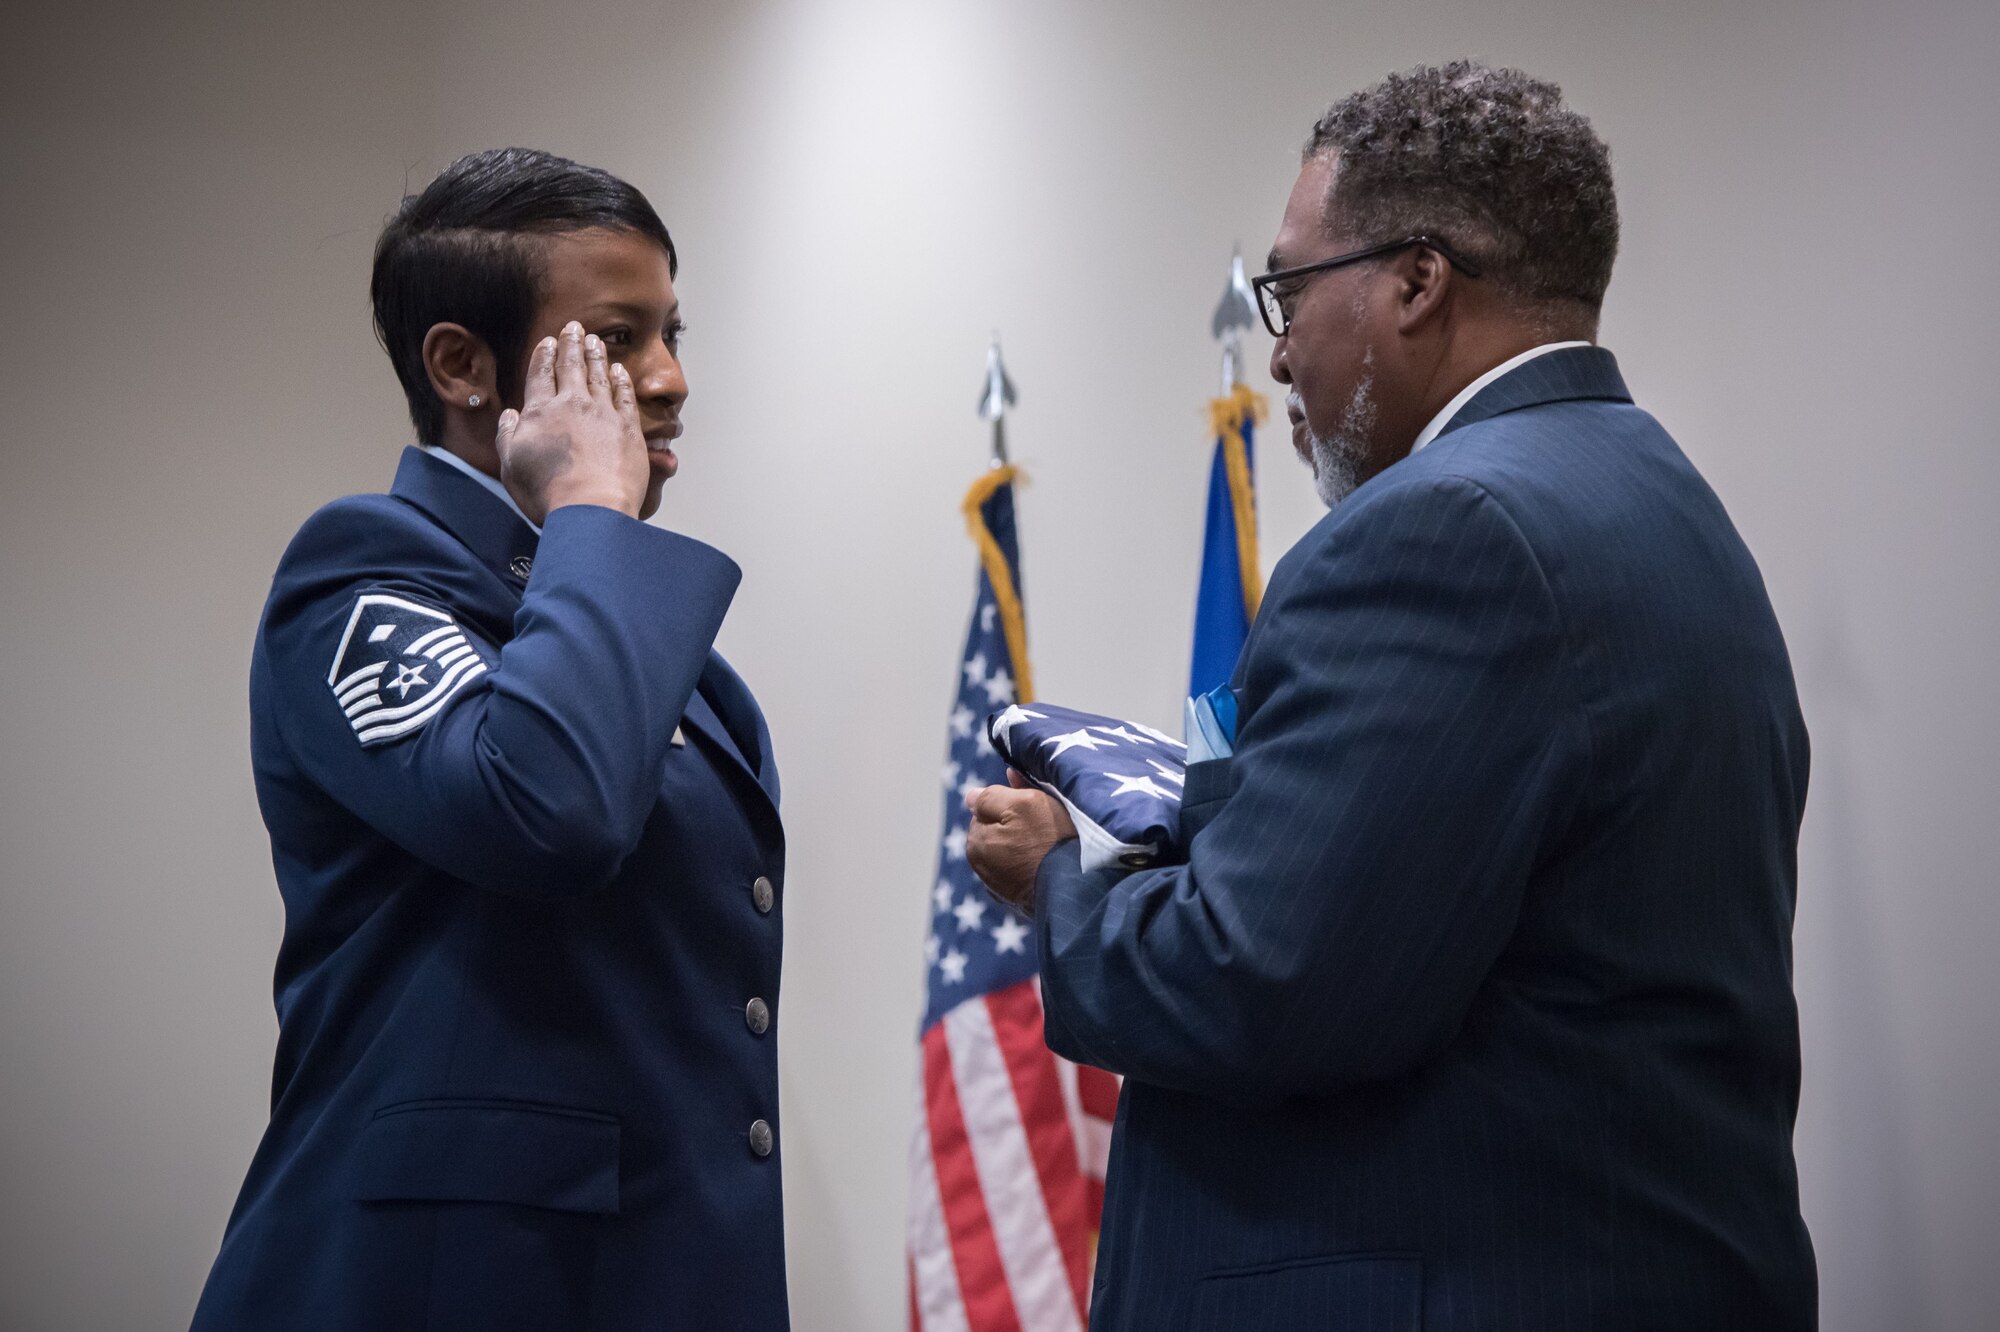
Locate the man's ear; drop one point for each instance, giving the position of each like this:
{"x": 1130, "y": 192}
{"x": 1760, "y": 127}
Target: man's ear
{"x": 460, "y": 366}
{"x": 1426, "y": 284}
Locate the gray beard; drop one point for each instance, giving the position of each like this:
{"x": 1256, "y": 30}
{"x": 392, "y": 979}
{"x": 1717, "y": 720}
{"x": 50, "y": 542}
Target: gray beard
{"x": 1337, "y": 459}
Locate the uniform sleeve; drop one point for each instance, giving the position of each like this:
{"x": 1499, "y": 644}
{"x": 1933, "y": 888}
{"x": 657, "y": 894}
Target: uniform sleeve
{"x": 537, "y": 773}
{"x": 1409, "y": 744}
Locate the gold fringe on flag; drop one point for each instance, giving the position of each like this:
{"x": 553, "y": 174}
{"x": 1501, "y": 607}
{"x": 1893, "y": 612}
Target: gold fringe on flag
{"x": 1012, "y": 622}
{"x": 1226, "y": 420}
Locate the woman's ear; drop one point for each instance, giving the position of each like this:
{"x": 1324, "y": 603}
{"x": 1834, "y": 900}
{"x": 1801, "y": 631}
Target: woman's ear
{"x": 461, "y": 368}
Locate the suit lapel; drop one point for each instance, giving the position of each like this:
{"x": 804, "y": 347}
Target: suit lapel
{"x": 487, "y": 527}
{"x": 720, "y": 691}
{"x": 1569, "y": 375}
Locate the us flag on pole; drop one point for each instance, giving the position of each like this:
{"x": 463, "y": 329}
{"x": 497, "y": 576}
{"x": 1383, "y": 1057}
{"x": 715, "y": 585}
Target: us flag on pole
{"x": 1009, "y": 1145}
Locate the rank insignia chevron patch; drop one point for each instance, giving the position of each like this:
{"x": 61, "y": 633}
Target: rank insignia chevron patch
{"x": 397, "y": 665}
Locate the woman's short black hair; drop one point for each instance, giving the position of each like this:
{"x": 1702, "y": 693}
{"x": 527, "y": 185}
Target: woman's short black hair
{"x": 468, "y": 251}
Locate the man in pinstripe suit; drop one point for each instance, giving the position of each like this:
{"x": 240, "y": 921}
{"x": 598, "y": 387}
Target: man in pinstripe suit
{"x": 1472, "y": 1008}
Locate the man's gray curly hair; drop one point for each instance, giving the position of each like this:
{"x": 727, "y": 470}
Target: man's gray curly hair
{"x": 1489, "y": 161}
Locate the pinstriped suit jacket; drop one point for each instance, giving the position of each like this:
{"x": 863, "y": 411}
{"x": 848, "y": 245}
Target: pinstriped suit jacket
{"x": 1473, "y": 1007}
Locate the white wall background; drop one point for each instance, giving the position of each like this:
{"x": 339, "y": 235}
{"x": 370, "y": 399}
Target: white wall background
{"x": 861, "y": 192}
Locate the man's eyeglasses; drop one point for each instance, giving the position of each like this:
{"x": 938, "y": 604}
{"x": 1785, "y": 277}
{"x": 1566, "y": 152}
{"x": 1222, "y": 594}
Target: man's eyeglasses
{"x": 1278, "y": 293}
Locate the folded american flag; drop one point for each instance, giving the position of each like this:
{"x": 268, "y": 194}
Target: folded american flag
{"x": 1120, "y": 780}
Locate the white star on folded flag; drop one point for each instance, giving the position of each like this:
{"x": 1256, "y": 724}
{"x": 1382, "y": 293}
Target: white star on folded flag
{"x": 1013, "y": 713}
{"x": 1081, "y": 739}
{"x": 1143, "y": 783}
{"x": 1120, "y": 780}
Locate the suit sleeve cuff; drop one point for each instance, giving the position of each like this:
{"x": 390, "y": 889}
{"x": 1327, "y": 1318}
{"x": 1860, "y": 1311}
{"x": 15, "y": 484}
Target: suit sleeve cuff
{"x": 612, "y": 550}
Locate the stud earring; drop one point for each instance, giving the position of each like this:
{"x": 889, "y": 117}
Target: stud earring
{"x": 472, "y": 401}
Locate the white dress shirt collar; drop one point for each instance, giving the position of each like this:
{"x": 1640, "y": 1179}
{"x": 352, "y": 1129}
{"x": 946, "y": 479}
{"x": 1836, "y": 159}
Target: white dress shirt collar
{"x": 1470, "y": 391}
{"x": 491, "y": 483}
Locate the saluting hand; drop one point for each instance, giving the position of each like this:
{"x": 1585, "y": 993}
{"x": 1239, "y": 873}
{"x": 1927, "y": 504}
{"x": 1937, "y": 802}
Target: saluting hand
{"x": 577, "y": 438}
{"x": 1013, "y": 828}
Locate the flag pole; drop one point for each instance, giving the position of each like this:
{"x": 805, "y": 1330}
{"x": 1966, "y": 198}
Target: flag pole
{"x": 1236, "y": 311}
{"x": 994, "y": 400}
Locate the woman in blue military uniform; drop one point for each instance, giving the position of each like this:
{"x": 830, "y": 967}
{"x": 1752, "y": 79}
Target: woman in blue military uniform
{"x": 524, "y": 821}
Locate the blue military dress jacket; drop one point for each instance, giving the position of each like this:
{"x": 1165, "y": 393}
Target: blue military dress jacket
{"x": 1473, "y": 1006}
{"x": 525, "y": 825}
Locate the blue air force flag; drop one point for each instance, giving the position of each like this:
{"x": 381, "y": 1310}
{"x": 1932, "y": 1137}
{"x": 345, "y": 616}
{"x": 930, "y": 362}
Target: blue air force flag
{"x": 1232, "y": 581}
{"x": 1120, "y": 780}
{"x": 397, "y": 665}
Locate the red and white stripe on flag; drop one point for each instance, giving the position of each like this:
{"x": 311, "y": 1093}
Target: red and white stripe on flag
{"x": 1006, "y": 1172}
